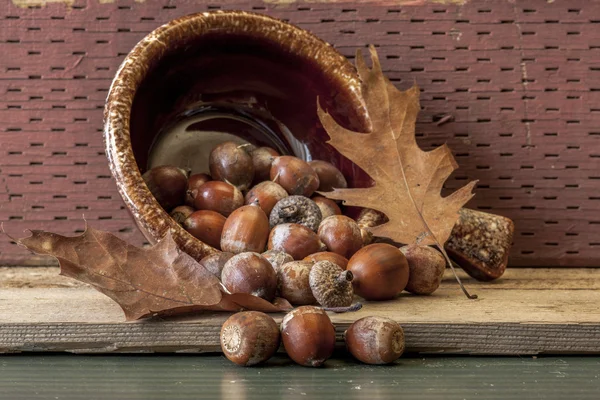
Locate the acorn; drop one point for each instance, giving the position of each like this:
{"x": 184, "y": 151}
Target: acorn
{"x": 206, "y": 226}
{"x": 380, "y": 271}
{"x": 218, "y": 196}
{"x": 249, "y": 338}
{"x": 167, "y": 184}
{"x": 329, "y": 176}
{"x": 180, "y": 213}
{"x": 246, "y": 229}
{"x": 341, "y": 235}
{"x": 331, "y": 285}
{"x": 294, "y": 175}
{"x": 262, "y": 158}
{"x": 308, "y": 336}
{"x": 277, "y": 258}
{"x": 250, "y": 273}
{"x": 328, "y": 256}
{"x": 231, "y": 163}
{"x": 194, "y": 182}
{"x": 328, "y": 207}
{"x": 215, "y": 262}
{"x": 375, "y": 340}
{"x": 293, "y": 282}
{"x": 298, "y": 210}
{"x": 267, "y": 194}
{"x": 426, "y": 266}
{"x": 294, "y": 239}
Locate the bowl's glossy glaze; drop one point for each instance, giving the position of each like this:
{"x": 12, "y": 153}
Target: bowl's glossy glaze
{"x": 242, "y": 60}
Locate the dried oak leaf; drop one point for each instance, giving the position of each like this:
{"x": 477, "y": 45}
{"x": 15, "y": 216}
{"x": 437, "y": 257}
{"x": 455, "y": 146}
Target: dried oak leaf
{"x": 157, "y": 281}
{"x": 408, "y": 180}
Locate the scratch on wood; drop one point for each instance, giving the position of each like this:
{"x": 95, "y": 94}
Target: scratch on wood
{"x": 524, "y": 78}
{"x": 68, "y": 3}
{"x": 379, "y": 2}
{"x": 38, "y": 3}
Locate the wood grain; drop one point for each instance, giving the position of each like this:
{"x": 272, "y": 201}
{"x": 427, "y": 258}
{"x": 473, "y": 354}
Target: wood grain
{"x": 528, "y": 311}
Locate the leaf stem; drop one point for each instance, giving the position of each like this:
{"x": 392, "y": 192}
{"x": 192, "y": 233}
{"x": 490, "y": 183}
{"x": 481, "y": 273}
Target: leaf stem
{"x": 451, "y": 264}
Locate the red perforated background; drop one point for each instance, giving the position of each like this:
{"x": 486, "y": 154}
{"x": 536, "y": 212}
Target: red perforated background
{"x": 521, "y": 80}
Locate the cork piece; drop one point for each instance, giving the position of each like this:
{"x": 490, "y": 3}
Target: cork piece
{"x": 480, "y": 243}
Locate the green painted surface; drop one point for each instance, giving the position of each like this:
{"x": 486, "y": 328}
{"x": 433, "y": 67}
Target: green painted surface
{"x": 201, "y": 377}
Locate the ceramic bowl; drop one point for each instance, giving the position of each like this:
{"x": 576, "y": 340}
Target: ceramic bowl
{"x": 249, "y": 65}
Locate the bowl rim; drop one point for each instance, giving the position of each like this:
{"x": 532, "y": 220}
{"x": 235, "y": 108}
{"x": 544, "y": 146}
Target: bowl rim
{"x": 153, "y": 221}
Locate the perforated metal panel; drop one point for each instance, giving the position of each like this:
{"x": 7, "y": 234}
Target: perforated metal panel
{"x": 520, "y": 80}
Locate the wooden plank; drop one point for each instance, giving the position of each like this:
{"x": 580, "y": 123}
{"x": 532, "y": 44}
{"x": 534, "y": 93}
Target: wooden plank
{"x": 528, "y": 311}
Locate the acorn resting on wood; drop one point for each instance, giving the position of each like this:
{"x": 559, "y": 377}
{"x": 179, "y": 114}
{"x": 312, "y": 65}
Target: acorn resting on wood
{"x": 308, "y": 336}
{"x": 331, "y": 285}
{"x": 249, "y": 338}
{"x": 375, "y": 340}
{"x": 380, "y": 272}
{"x": 426, "y": 266}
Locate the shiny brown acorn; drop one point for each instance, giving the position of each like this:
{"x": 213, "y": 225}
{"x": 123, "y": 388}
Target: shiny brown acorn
{"x": 375, "y": 340}
{"x": 266, "y": 194}
{"x": 294, "y": 175}
{"x": 308, "y": 336}
{"x": 246, "y": 229}
{"x": 230, "y": 162}
{"x": 249, "y": 338}
{"x": 194, "y": 182}
{"x": 294, "y": 239}
{"x": 250, "y": 273}
{"x": 167, "y": 184}
{"x": 341, "y": 235}
{"x": 262, "y": 159}
{"x": 380, "y": 271}
{"x": 218, "y": 196}
{"x": 206, "y": 226}
{"x": 426, "y": 266}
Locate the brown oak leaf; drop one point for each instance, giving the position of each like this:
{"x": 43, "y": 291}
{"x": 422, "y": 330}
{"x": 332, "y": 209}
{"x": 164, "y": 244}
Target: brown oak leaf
{"x": 408, "y": 180}
{"x": 158, "y": 281}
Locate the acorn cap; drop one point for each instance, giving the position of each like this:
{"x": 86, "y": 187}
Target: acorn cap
{"x": 298, "y": 210}
{"x": 331, "y": 285}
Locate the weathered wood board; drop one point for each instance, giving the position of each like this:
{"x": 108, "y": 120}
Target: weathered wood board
{"x": 528, "y": 311}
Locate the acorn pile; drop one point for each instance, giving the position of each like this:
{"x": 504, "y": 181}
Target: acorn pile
{"x": 278, "y": 238}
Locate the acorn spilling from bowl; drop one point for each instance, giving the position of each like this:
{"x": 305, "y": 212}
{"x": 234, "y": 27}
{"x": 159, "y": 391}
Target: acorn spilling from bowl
{"x": 280, "y": 237}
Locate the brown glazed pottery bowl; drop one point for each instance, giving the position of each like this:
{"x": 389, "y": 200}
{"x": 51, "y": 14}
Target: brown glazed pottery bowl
{"x": 210, "y": 77}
